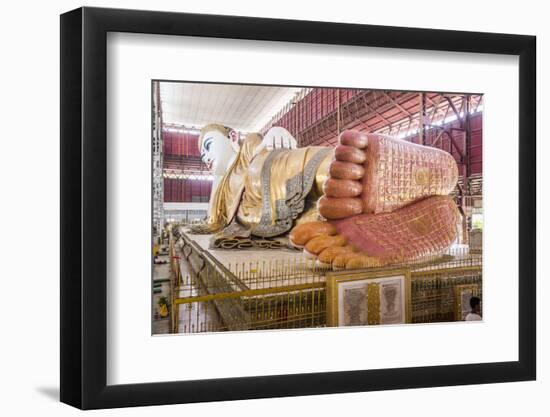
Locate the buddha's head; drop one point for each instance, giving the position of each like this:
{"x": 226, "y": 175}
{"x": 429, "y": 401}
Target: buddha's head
{"x": 218, "y": 146}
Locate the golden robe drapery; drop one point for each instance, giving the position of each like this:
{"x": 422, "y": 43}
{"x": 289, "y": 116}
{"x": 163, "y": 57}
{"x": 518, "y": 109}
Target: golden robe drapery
{"x": 269, "y": 191}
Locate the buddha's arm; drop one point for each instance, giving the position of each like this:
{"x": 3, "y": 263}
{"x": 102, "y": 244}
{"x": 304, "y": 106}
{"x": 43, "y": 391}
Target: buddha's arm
{"x": 272, "y": 176}
{"x": 322, "y": 174}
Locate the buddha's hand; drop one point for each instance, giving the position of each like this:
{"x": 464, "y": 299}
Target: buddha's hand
{"x": 277, "y": 138}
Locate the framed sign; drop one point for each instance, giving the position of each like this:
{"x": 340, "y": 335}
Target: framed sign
{"x": 381, "y": 217}
{"x": 369, "y": 298}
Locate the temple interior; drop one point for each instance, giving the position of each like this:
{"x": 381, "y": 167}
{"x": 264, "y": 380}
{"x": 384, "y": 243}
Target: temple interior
{"x": 223, "y": 250}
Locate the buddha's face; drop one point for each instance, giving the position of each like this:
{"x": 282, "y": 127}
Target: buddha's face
{"x": 218, "y": 150}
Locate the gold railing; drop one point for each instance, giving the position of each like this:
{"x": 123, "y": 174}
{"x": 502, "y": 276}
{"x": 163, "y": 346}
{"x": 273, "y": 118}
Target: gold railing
{"x": 211, "y": 297}
{"x": 283, "y": 308}
{"x": 175, "y": 274}
{"x": 434, "y": 291}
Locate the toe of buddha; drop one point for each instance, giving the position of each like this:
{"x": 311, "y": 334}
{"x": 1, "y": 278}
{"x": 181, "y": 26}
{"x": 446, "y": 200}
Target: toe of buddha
{"x": 362, "y": 164}
{"x": 344, "y": 187}
{"x": 303, "y": 233}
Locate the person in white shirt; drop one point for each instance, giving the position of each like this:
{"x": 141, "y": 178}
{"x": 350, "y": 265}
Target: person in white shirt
{"x": 475, "y": 314}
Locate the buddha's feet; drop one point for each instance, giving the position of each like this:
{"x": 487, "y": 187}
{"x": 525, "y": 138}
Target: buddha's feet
{"x": 420, "y": 230}
{"x": 385, "y": 201}
{"x": 374, "y": 173}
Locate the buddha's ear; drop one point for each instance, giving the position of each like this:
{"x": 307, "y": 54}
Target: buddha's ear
{"x": 233, "y": 136}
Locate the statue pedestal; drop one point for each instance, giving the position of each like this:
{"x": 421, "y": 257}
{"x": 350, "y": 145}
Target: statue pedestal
{"x": 260, "y": 268}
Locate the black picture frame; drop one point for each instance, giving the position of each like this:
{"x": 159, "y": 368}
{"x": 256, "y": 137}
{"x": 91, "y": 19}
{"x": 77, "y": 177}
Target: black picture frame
{"x": 84, "y": 207}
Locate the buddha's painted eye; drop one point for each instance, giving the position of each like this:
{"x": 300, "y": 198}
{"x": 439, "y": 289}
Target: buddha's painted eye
{"x": 207, "y": 143}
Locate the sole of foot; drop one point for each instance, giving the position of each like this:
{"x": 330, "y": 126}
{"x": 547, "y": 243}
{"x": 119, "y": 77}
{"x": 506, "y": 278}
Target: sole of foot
{"x": 377, "y": 183}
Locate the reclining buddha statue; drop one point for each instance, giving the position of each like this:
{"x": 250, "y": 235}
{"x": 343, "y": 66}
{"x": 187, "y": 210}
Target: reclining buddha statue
{"x": 373, "y": 200}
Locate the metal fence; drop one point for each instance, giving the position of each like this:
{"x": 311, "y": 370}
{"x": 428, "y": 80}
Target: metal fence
{"x": 433, "y": 292}
{"x": 211, "y": 297}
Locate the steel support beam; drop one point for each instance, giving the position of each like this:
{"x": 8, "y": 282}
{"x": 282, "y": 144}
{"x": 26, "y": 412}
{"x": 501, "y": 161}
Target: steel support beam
{"x": 396, "y": 104}
{"x": 467, "y": 138}
{"x": 456, "y": 112}
{"x": 421, "y": 117}
{"x": 158, "y": 163}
